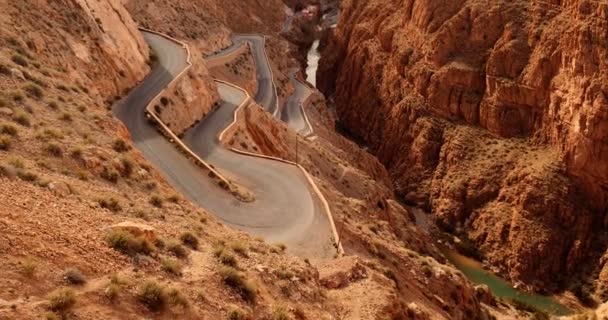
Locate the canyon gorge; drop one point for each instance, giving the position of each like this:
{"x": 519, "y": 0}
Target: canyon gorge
{"x": 303, "y": 159}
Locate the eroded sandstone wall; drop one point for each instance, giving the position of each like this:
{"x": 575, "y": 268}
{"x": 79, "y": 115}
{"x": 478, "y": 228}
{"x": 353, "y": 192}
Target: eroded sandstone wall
{"x": 491, "y": 114}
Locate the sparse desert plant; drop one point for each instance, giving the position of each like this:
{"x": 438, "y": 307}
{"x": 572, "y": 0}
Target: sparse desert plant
{"x": 120, "y": 145}
{"x": 110, "y": 174}
{"x": 189, "y": 240}
{"x": 177, "y": 249}
{"x": 172, "y": 266}
{"x": 22, "y": 119}
{"x": 4, "y": 70}
{"x": 152, "y": 295}
{"x": 62, "y": 300}
{"x": 228, "y": 259}
{"x": 128, "y": 244}
{"x": 280, "y": 313}
{"x": 127, "y": 167}
{"x": 67, "y": 117}
{"x": 237, "y": 281}
{"x": 54, "y": 150}
{"x": 17, "y": 96}
{"x": 174, "y": 198}
{"x": 53, "y": 104}
{"x": 236, "y": 314}
{"x": 9, "y": 129}
{"x": 6, "y": 142}
{"x": 34, "y": 91}
{"x": 156, "y": 201}
{"x": 74, "y": 276}
{"x": 27, "y": 175}
{"x": 20, "y": 60}
{"x": 112, "y": 291}
{"x": 283, "y": 273}
{"x": 76, "y": 153}
{"x": 29, "y": 267}
{"x": 239, "y": 247}
{"x": 176, "y": 298}
{"x": 280, "y": 247}
{"x": 111, "y": 204}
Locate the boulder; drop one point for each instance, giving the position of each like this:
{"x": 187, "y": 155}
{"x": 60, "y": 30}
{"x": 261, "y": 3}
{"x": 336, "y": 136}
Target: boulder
{"x": 136, "y": 229}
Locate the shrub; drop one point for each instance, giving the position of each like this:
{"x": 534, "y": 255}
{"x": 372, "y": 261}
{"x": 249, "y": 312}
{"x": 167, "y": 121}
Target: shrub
{"x": 172, "y": 266}
{"x": 74, "y": 276}
{"x": 34, "y": 91}
{"x": 27, "y": 176}
{"x": 174, "y": 198}
{"x": 54, "y": 150}
{"x": 28, "y": 267}
{"x": 177, "y": 249}
{"x": 281, "y": 247}
{"x": 53, "y": 104}
{"x": 112, "y": 291}
{"x": 17, "y": 96}
{"x": 176, "y": 298}
{"x": 156, "y": 201}
{"x": 5, "y": 70}
{"x": 127, "y": 167}
{"x": 236, "y": 314}
{"x": 5, "y": 142}
{"x": 111, "y": 204}
{"x": 22, "y": 119}
{"x": 239, "y": 247}
{"x": 76, "y": 153}
{"x": 128, "y": 244}
{"x": 119, "y": 145}
{"x": 9, "y": 129}
{"x": 280, "y": 313}
{"x": 20, "y": 60}
{"x": 189, "y": 240}
{"x": 283, "y": 273}
{"x": 110, "y": 174}
{"x": 152, "y": 295}
{"x": 62, "y": 300}
{"x": 235, "y": 280}
{"x": 228, "y": 259}
{"x": 66, "y": 117}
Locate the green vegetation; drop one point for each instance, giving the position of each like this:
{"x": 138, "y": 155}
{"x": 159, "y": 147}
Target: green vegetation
{"x": 26, "y": 175}
{"x": 128, "y": 244}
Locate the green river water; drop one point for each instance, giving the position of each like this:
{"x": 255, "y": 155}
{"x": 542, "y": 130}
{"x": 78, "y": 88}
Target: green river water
{"x": 500, "y": 288}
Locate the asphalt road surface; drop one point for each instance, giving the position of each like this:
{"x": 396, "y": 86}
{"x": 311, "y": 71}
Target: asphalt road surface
{"x": 285, "y": 210}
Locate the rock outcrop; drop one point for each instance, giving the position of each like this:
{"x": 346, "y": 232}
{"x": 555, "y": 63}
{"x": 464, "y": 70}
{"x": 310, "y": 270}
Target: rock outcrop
{"x": 493, "y": 115}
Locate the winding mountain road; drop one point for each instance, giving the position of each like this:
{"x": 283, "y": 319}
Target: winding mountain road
{"x": 285, "y": 209}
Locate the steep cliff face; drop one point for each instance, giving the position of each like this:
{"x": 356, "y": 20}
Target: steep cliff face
{"x": 491, "y": 114}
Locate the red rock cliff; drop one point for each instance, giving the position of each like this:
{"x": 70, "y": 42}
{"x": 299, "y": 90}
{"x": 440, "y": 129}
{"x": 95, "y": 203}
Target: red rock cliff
{"x": 492, "y": 114}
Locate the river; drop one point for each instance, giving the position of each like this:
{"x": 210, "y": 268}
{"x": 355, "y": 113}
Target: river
{"x": 313, "y": 63}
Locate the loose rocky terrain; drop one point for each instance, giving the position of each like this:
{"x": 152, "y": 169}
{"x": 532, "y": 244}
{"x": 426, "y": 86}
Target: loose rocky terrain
{"x": 91, "y": 230}
{"x": 490, "y": 115}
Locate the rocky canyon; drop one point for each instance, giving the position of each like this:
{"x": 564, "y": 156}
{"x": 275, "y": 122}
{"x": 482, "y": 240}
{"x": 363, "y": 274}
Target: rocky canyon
{"x": 490, "y": 115}
{"x": 167, "y": 160}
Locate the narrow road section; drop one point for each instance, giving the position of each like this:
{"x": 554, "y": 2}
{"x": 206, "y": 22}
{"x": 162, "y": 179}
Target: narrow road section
{"x": 285, "y": 209}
